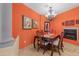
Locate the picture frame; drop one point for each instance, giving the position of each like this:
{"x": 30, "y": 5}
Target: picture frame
{"x": 35, "y": 24}
{"x": 26, "y": 23}
{"x": 77, "y": 21}
{"x": 63, "y": 23}
{"x": 69, "y": 23}
{"x": 46, "y": 26}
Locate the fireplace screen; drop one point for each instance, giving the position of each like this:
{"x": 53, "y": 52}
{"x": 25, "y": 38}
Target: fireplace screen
{"x": 70, "y": 34}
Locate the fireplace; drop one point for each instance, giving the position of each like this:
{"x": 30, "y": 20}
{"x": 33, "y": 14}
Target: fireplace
{"x": 70, "y": 33}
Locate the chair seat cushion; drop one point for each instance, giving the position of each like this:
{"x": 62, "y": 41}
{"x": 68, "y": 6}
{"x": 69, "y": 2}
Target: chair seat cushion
{"x": 56, "y": 42}
{"x": 44, "y": 43}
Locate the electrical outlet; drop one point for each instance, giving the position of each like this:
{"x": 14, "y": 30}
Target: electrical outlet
{"x": 24, "y": 41}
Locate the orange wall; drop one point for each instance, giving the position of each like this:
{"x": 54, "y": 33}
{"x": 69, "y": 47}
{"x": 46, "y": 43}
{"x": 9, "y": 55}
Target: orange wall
{"x": 25, "y": 35}
{"x": 57, "y": 26}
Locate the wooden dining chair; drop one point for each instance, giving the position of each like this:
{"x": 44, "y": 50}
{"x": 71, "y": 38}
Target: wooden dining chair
{"x": 42, "y": 43}
{"x": 57, "y": 43}
{"x": 38, "y": 40}
{"x": 47, "y": 45}
{"x": 37, "y": 37}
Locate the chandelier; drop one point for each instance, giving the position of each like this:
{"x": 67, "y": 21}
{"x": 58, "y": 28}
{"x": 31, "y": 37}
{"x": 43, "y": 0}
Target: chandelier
{"x": 51, "y": 14}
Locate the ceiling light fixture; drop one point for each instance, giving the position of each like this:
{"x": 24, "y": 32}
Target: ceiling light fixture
{"x": 51, "y": 14}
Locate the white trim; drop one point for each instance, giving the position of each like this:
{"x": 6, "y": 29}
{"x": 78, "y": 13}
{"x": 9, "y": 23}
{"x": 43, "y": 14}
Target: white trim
{"x": 70, "y": 28}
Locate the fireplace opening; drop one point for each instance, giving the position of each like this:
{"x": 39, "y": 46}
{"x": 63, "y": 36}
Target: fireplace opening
{"x": 70, "y": 33}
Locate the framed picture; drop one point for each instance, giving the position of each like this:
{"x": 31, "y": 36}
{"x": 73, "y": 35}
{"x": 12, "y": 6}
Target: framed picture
{"x": 35, "y": 24}
{"x": 26, "y": 23}
{"x": 63, "y": 23}
{"x": 77, "y": 21}
{"x": 46, "y": 26}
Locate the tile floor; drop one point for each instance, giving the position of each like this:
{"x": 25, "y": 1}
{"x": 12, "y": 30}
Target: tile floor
{"x": 69, "y": 50}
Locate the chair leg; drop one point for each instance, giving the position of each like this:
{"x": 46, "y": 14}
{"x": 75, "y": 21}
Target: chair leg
{"x": 59, "y": 51}
{"x": 52, "y": 50}
{"x": 62, "y": 47}
{"x": 52, "y": 53}
{"x": 45, "y": 49}
{"x": 38, "y": 48}
{"x": 34, "y": 44}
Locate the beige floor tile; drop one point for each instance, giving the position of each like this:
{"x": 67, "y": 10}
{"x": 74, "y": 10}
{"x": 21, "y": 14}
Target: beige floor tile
{"x": 69, "y": 50}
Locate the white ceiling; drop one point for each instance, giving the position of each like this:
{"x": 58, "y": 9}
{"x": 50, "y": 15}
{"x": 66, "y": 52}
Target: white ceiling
{"x": 42, "y": 8}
